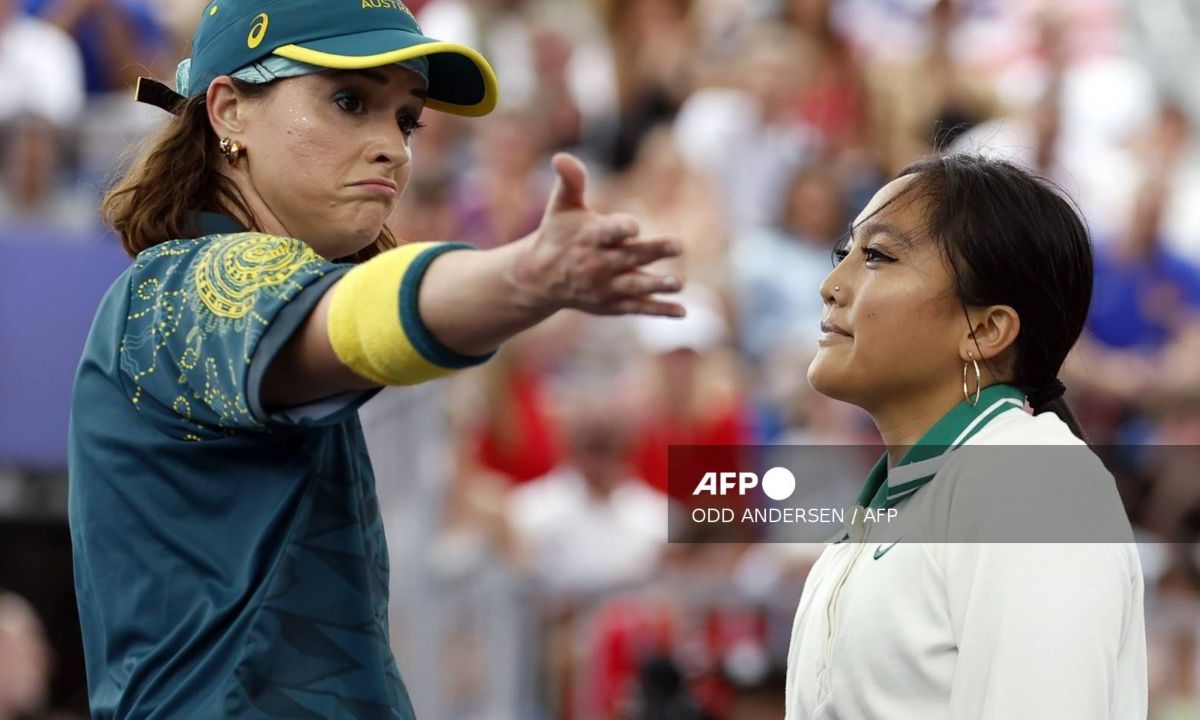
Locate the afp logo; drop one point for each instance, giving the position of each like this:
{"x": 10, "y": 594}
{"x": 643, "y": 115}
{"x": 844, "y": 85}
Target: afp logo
{"x": 778, "y": 483}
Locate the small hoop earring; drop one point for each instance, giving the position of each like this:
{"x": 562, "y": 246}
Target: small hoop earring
{"x": 231, "y": 149}
{"x": 978, "y": 382}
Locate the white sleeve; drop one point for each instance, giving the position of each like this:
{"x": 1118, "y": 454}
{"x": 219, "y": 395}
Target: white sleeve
{"x": 1046, "y": 631}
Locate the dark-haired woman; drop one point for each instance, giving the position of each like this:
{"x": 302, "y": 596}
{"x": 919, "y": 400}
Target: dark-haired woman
{"x": 952, "y": 304}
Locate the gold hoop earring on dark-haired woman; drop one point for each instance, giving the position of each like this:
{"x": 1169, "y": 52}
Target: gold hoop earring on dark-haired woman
{"x": 231, "y": 149}
{"x": 978, "y": 381}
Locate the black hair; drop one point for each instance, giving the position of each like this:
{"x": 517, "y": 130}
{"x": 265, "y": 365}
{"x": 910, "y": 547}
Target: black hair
{"x": 1012, "y": 238}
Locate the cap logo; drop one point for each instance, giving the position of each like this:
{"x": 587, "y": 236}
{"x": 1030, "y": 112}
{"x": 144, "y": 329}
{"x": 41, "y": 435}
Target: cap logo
{"x": 386, "y": 4}
{"x": 258, "y": 31}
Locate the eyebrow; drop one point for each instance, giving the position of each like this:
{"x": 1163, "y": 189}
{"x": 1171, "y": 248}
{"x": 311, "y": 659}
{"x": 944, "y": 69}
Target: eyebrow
{"x": 878, "y": 227}
{"x": 376, "y": 77}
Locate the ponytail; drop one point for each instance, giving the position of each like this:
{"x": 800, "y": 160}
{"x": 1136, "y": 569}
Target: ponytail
{"x": 1012, "y": 238}
{"x": 1059, "y": 407}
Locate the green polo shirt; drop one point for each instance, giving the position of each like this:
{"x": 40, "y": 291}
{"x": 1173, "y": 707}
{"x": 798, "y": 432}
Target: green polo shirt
{"x": 229, "y": 562}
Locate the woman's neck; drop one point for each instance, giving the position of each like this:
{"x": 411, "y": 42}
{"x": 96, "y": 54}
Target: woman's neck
{"x": 901, "y": 423}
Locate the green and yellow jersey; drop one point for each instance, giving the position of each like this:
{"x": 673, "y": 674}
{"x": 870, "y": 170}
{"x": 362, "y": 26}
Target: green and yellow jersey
{"x": 230, "y": 562}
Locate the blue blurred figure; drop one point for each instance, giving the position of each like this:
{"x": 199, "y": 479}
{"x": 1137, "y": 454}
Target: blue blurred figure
{"x": 119, "y": 39}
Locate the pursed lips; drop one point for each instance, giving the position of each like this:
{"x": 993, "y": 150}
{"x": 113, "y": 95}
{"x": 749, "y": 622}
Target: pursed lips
{"x": 382, "y": 186}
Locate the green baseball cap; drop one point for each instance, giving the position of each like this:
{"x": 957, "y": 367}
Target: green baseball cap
{"x": 334, "y": 34}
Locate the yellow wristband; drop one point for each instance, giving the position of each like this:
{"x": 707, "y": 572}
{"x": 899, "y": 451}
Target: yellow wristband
{"x": 375, "y": 325}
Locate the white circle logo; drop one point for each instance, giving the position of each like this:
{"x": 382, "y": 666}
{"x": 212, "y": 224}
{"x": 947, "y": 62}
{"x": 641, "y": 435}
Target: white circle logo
{"x": 779, "y": 483}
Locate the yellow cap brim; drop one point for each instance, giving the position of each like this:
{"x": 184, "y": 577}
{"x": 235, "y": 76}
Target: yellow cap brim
{"x": 461, "y": 81}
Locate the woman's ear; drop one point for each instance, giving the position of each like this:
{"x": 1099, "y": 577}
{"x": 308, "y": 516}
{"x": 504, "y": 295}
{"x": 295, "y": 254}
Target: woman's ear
{"x": 993, "y": 330}
{"x": 226, "y": 109}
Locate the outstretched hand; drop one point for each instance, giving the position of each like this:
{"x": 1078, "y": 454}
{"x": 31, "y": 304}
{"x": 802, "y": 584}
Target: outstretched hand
{"x": 589, "y": 261}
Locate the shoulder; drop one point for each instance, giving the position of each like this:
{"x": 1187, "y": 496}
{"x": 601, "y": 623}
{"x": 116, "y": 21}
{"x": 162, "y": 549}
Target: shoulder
{"x": 1017, "y": 427}
{"x": 1028, "y": 477}
{"x": 250, "y": 249}
{"x": 227, "y": 274}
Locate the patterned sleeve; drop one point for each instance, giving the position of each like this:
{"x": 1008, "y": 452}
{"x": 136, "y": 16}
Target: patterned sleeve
{"x": 206, "y": 317}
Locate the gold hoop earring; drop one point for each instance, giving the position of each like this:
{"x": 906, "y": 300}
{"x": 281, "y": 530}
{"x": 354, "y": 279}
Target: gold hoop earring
{"x": 978, "y": 382}
{"x": 231, "y": 149}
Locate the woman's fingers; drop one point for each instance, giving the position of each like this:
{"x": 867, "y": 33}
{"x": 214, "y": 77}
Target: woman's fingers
{"x": 637, "y": 253}
{"x": 658, "y": 308}
{"x": 570, "y": 186}
{"x": 609, "y": 231}
{"x": 633, "y": 255}
{"x": 635, "y": 284}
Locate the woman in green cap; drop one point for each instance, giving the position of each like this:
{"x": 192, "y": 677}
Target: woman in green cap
{"x": 229, "y": 554}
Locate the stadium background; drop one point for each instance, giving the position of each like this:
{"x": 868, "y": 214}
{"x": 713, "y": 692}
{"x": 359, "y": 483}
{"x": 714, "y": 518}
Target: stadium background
{"x": 524, "y": 500}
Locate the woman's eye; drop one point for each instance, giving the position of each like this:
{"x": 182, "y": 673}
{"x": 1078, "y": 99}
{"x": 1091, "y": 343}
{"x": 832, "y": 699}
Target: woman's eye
{"x": 409, "y": 125}
{"x": 349, "y": 102}
{"x": 838, "y": 255}
{"x": 873, "y": 255}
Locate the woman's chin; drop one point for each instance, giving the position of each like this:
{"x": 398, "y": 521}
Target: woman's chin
{"x": 825, "y": 377}
{"x": 360, "y": 237}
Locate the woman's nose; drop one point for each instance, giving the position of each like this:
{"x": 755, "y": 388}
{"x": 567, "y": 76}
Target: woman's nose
{"x": 391, "y": 149}
{"x": 831, "y": 288}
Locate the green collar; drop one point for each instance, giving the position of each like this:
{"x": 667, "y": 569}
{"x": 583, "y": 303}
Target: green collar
{"x": 886, "y": 488}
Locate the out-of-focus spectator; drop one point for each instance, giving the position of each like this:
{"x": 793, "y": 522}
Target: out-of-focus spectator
{"x": 836, "y": 103}
{"x": 499, "y": 200}
{"x": 749, "y": 135}
{"x": 1169, "y": 496}
{"x": 693, "y": 391}
{"x": 1146, "y": 301}
{"x": 41, "y": 71}
{"x": 41, "y": 96}
{"x": 663, "y": 693}
{"x": 775, "y": 310}
{"x": 35, "y": 186}
{"x": 515, "y": 432}
{"x": 1146, "y": 295}
{"x": 25, "y": 659}
{"x": 554, "y": 96}
{"x": 652, "y": 44}
{"x": 120, "y": 39}
{"x": 500, "y": 29}
{"x": 670, "y": 198}
{"x": 591, "y": 526}
{"x": 923, "y": 105}
{"x": 1174, "y": 638}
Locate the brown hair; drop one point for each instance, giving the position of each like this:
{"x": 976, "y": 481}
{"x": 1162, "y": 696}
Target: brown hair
{"x": 177, "y": 173}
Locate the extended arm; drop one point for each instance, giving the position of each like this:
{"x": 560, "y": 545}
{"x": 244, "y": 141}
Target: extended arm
{"x": 468, "y": 302}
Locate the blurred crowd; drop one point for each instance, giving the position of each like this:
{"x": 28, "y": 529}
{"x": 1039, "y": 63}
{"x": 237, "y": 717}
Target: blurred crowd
{"x": 526, "y": 500}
